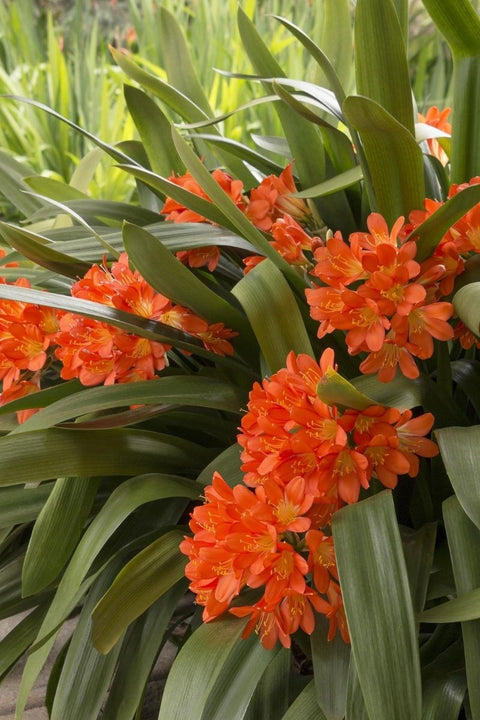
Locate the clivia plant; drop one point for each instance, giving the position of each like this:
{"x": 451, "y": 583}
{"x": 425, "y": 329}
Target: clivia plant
{"x": 247, "y": 404}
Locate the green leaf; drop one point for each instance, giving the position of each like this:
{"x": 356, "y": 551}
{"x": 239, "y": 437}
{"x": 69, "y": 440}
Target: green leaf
{"x": 273, "y": 314}
{"x": 378, "y": 607}
{"x": 20, "y": 505}
{"x": 166, "y": 274}
{"x": 419, "y": 548}
{"x": 460, "y": 448}
{"x": 460, "y": 609}
{"x": 139, "y": 584}
{"x": 305, "y": 706}
{"x": 42, "y": 397}
{"x": 443, "y": 696}
{"x": 139, "y": 651}
{"x": 381, "y": 61}
{"x": 227, "y": 464}
{"x": 14, "y": 188}
{"x": 154, "y": 130}
{"x": 464, "y": 545}
{"x": 270, "y": 699}
{"x": 460, "y": 25}
{"x": 215, "y": 674}
{"x": 18, "y": 640}
{"x": 431, "y": 231}
{"x": 124, "y": 320}
{"x": 63, "y": 516}
{"x": 466, "y": 373}
{"x": 336, "y": 41}
{"x": 198, "y": 391}
{"x": 122, "y": 502}
{"x": 34, "y": 247}
{"x": 86, "y": 674}
{"x": 331, "y": 661}
{"x": 339, "y": 182}
{"x": 394, "y": 161}
{"x": 85, "y": 453}
{"x": 334, "y": 389}
{"x": 466, "y": 304}
{"x": 355, "y": 706}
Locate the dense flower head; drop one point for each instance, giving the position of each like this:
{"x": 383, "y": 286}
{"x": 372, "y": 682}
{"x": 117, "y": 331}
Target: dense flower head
{"x": 302, "y": 459}
{"x": 384, "y": 300}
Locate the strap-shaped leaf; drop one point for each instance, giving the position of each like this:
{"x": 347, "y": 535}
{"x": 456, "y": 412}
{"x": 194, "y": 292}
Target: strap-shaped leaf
{"x": 63, "y": 516}
{"x": 378, "y": 607}
{"x": 139, "y": 652}
{"x": 154, "y": 130}
{"x": 381, "y": 61}
{"x": 34, "y": 247}
{"x": 305, "y": 706}
{"x": 467, "y": 306}
{"x": 144, "y": 579}
{"x": 196, "y": 390}
{"x": 19, "y": 639}
{"x": 464, "y": 545}
{"x": 166, "y": 274}
{"x": 460, "y": 25}
{"x": 331, "y": 661}
{"x": 460, "y": 451}
{"x": 273, "y": 313}
{"x": 394, "y": 162}
{"x": 270, "y": 699}
{"x": 86, "y": 453}
{"x": 215, "y": 674}
{"x": 123, "y": 501}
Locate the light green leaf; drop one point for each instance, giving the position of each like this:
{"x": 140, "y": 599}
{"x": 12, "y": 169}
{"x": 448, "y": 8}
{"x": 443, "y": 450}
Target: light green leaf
{"x": 273, "y": 314}
{"x": 63, "y": 516}
{"x": 339, "y": 182}
{"x": 333, "y": 389}
{"x": 139, "y": 584}
{"x": 331, "y": 659}
{"x": 460, "y": 451}
{"x": 381, "y": 61}
{"x": 464, "y": 545}
{"x": 14, "y": 188}
{"x": 462, "y": 608}
{"x": 466, "y": 304}
{"x": 355, "y": 706}
{"x": 20, "y": 505}
{"x": 378, "y": 607}
{"x": 394, "y": 161}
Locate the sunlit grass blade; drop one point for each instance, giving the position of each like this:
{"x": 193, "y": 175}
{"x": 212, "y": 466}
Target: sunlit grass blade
{"x": 464, "y": 545}
{"x": 378, "y": 607}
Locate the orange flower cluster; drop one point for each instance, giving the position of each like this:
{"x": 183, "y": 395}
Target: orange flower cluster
{"x": 26, "y": 333}
{"x": 392, "y": 314}
{"x": 302, "y": 459}
{"x": 460, "y": 242}
{"x": 99, "y": 353}
{"x": 90, "y": 350}
{"x": 272, "y": 207}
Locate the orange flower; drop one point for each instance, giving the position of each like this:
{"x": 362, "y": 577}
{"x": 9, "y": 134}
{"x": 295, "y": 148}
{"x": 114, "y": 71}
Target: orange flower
{"x": 176, "y": 212}
{"x": 198, "y": 257}
{"x": 273, "y": 198}
{"x": 438, "y": 119}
